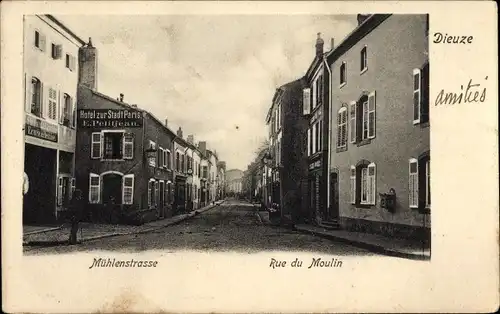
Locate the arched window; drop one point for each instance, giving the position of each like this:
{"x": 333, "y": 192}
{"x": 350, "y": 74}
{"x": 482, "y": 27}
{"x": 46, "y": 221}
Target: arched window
{"x": 342, "y": 127}
{"x": 36, "y": 99}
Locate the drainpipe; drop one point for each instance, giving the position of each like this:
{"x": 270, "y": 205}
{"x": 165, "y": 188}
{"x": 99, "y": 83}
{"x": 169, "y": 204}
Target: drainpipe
{"x": 329, "y": 132}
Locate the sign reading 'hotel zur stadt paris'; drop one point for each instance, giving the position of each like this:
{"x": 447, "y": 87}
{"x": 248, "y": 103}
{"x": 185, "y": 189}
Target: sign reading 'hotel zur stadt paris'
{"x": 109, "y": 118}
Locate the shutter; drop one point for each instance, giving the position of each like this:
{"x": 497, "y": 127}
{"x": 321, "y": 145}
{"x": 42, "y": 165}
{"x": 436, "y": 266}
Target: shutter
{"x": 157, "y": 195}
{"x": 352, "y": 179}
{"x": 314, "y": 94}
{"x": 61, "y": 107}
{"x": 372, "y": 105}
{"x": 96, "y": 188}
{"x": 96, "y": 145}
{"x": 73, "y": 187}
{"x": 60, "y": 182}
{"x": 149, "y": 193}
{"x": 413, "y": 183}
{"x": 306, "y": 102}
{"x": 128, "y": 146}
{"x": 27, "y": 93}
{"x": 128, "y": 189}
{"x": 417, "y": 82}
{"x": 73, "y": 112}
{"x": 43, "y": 40}
{"x": 424, "y": 86}
{"x": 371, "y": 183}
{"x": 43, "y": 110}
{"x": 352, "y": 124}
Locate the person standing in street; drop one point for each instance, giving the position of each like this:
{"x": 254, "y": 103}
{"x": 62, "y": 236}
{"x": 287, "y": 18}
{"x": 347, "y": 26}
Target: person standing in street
{"x": 76, "y": 212}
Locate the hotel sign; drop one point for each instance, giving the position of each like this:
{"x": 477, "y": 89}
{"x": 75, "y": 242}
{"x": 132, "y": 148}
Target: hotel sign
{"x": 38, "y": 128}
{"x": 109, "y": 118}
{"x": 315, "y": 164}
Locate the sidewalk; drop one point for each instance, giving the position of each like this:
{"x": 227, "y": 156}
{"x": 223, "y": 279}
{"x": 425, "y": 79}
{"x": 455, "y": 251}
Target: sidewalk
{"x": 90, "y": 231}
{"x": 372, "y": 242}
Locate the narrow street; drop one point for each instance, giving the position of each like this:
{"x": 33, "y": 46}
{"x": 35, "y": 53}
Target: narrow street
{"x": 232, "y": 226}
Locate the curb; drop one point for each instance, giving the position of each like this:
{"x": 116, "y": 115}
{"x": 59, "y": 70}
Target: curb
{"x": 185, "y": 217}
{"x": 42, "y": 231}
{"x": 368, "y": 246}
{"x": 259, "y": 218}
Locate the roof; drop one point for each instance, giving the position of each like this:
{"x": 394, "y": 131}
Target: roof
{"x": 356, "y": 35}
{"x": 279, "y": 90}
{"x": 67, "y": 30}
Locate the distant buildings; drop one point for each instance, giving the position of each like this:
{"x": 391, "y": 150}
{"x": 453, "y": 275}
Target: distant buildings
{"x": 234, "y": 181}
{"x": 130, "y": 167}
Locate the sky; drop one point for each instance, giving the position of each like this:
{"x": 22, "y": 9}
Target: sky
{"x": 212, "y": 75}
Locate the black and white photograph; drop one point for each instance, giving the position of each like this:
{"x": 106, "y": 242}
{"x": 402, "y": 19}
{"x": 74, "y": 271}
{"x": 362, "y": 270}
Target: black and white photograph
{"x": 295, "y": 142}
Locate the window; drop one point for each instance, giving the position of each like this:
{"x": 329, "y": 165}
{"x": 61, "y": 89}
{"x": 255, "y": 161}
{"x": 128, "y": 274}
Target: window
{"x": 342, "y": 128}
{"x": 319, "y": 91}
{"x": 413, "y": 183}
{"x": 52, "y": 114}
{"x": 306, "y": 101}
{"x": 94, "y": 188}
{"x": 152, "y": 159}
{"x": 128, "y": 146}
{"x": 364, "y": 60}
{"x": 177, "y": 162}
{"x": 343, "y": 74}
{"x": 353, "y": 184}
{"x": 157, "y": 194}
{"x": 363, "y": 184}
{"x": 313, "y": 142}
{"x": 428, "y": 184}
{"x": 67, "y": 110}
{"x": 182, "y": 164}
{"x": 56, "y": 51}
{"x": 160, "y": 157}
{"x": 36, "y": 97}
{"x": 95, "y": 148}
{"x": 40, "y": 40}
{"x": 421, "y": 94}
{"x": 128, "y": 189}
{"x": 113, "y": 145}
{"x": 318, "y": 137}
{"x": 309, "y": 142}
{"x": 70, "y": 62}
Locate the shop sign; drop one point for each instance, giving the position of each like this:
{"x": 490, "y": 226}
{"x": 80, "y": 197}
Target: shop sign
{"x": 109, "y": 118}
{"x": 315, "y": 164}
{"x": 38, "y": 128}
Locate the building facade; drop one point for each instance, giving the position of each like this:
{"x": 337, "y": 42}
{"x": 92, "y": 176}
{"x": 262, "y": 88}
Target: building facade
{"x": 51, "y": 74}
{"x": 234, "y": 182}
{"x": 180, "y": 174}
{"x": 287, "y": 167}
{"x": 380, "y": 163}
{"x": 124, "y": 167}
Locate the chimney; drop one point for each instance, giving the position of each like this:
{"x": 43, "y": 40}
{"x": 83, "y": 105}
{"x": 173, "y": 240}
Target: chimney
{"x": 202, "y": 146}
{"x": 190, "y": 139}
{"x": 134, "y": 106}
{"x": 166, "y": 122}
{"x": 319, "y": 45}
{"x": 179, "y": 132}
{"x": 362, "y": 18}
{"x": 332, "y": 44}
{"x": 121, "y": 97}
{"x": 87, "y": 65}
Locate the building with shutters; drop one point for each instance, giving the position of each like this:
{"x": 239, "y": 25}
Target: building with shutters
{"x": 124, "y": 164}
{"x": 316, "y": 110}
{"x": 380, "y": 160}
{"x": 285, "y": 164}
{"x": 51, "y": 75}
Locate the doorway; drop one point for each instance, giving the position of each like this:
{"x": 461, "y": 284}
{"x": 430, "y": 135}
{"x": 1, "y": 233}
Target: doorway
{"x": 112, "y": 188}
{"x": 333, "y": 212}
{"x": 161, "y": 208}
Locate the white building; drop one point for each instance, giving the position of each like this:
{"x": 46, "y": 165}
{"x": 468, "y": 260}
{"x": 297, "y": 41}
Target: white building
{"x": 51, "y": 74}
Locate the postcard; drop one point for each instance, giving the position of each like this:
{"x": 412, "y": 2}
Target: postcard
{"x": 249, "y": 157}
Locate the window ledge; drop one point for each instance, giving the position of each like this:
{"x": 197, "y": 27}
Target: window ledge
{"x": 341, "y": 149}
{"x": 359, "y": 205}
{"x": 364, "y": 142}
{"x": 363, "y": 71}
{"x": 424, "y": 125}
{"x": 343, "y": 84}
{"x": 103, "y": 159}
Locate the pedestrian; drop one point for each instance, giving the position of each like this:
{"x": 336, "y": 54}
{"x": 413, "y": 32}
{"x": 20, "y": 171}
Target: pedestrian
{"x": 76, "y": 212}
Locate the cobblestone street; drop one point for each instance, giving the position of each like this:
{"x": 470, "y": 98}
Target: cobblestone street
{"x": 232, "y": 226}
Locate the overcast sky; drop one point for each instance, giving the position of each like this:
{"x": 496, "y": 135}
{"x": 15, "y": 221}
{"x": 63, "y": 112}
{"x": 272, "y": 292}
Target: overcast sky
{"x": 208, "y": 74}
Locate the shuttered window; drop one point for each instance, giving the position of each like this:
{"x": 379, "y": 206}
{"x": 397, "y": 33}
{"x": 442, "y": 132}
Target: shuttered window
{"x": 371, "y": 114}
{"x": 52, "y": 104}
{"x": 306, "y": 103}
{"x": 372, "y": 184}
{"x": 416, "y": 95}
{"x": 342, "y": 128}
{"x": 352, "y": 180}
{"x": 352, "y": 122}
